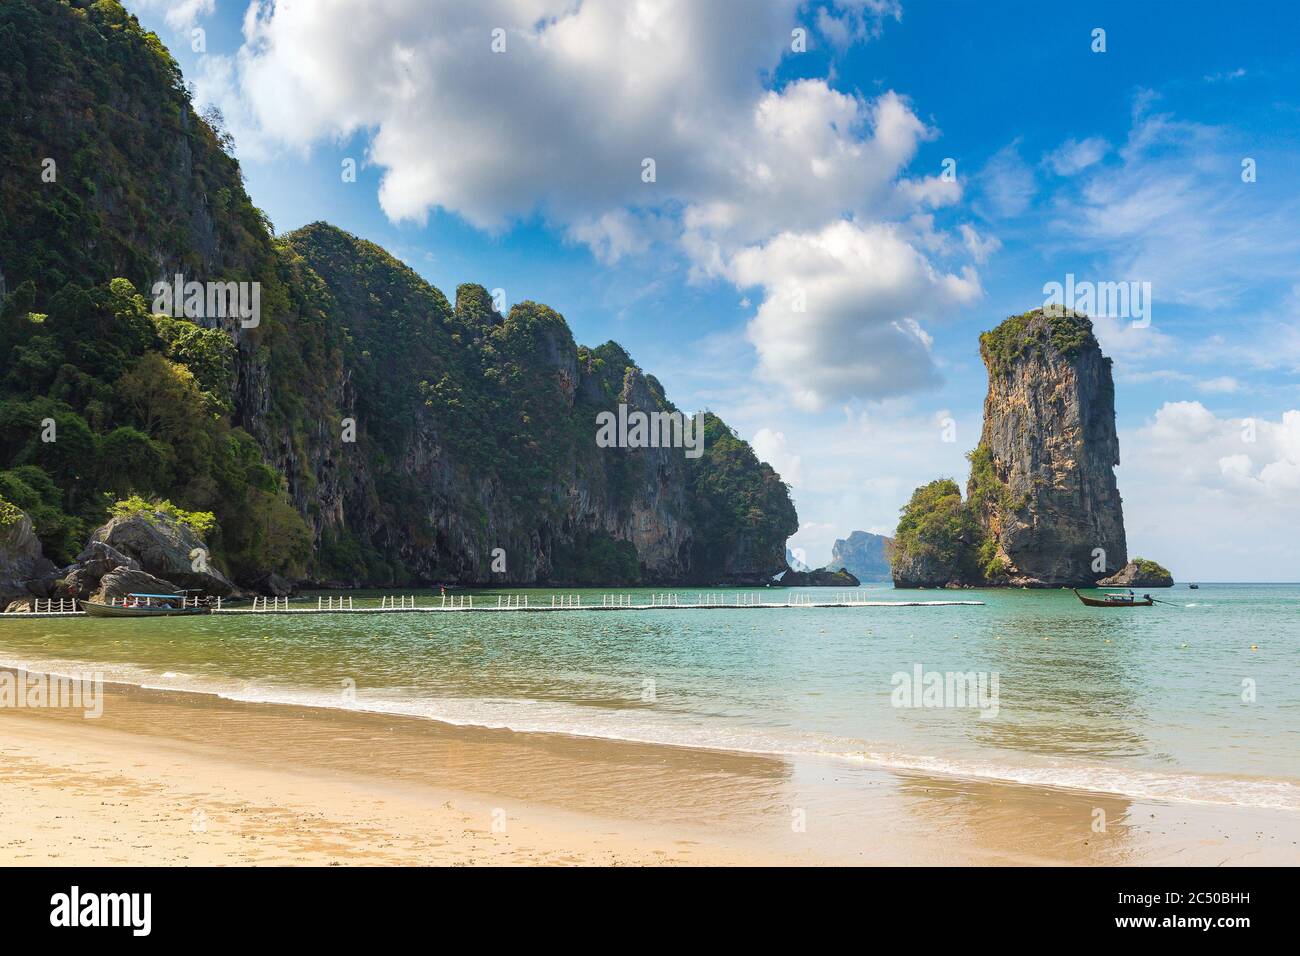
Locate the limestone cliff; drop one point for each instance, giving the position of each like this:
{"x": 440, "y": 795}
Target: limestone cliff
{"x": 365, "y": 429}
{"x": 1042, "y": 487}
{"x": 1042, "y": 480}
{"x": 473, "y": 457}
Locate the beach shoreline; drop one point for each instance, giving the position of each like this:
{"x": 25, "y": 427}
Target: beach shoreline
{"x": 169, "y": 777}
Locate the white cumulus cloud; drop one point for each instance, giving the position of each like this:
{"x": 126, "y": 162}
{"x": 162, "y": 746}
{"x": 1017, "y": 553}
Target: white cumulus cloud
{"x": 768, "y": 187}
{"x": 837, "y": 301}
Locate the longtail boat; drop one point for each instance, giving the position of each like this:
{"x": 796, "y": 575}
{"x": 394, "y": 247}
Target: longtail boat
{"x": 145, "y": 605}
{"x": 1115, "y": 600}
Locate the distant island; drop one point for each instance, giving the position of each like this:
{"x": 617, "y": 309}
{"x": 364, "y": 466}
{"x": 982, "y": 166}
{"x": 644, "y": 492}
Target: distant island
{"x": 1042, "y": 507}
{"x": 861, "y": 557}
{"x": 863, "y": 554}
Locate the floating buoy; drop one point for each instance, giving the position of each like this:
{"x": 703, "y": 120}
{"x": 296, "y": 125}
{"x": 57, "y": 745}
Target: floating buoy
{"x": 1254, "y": 647}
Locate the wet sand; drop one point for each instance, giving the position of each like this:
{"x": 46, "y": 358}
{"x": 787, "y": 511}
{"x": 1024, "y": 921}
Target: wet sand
{"x": 175, "y": 778}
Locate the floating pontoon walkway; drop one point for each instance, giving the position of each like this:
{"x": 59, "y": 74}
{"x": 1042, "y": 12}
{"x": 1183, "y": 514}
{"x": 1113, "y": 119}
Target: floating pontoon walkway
{"x": 468, "y": 603}
{"x": 574, "y": 602}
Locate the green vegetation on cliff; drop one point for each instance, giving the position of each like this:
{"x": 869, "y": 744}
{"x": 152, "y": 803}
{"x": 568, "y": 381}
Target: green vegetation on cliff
{"x": 103, "y": 155}
{"x": 364, "y": 428}
{"x": 736, "y": 498}
{"x": 939, "y": 530}
{"x": 1151, "y": 569}
{"x": 200, "y": 522}
{"x": 1066, "y": 331}
{"x": 112, "y": 181}
{"x": 105, "y": 402}
{"x": 513, "y": 400}
{"x": 939, "y": 533}
{"x": 594, "y": 559}
{"x": 9, "y": 514}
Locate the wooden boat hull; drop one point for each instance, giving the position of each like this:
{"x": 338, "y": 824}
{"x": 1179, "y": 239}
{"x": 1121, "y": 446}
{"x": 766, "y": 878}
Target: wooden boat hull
{"x": 117, "y": 610}
{"x": 1094, "y": 602}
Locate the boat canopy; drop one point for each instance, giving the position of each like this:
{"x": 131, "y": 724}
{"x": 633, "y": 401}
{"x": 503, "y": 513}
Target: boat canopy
{"x": 172, "y": 596}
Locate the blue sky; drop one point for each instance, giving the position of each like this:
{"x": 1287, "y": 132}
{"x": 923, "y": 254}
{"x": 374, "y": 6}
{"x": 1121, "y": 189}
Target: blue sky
{"x": 816, "y": 177}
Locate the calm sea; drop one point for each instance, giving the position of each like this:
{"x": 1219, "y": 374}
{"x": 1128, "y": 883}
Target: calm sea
{"x": 1195, "y": 700}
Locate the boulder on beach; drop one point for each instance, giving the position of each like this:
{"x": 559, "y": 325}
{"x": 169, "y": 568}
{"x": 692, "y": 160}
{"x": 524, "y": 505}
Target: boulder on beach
{"x": 98, "y": 558}
{"x": 164, "y": 547}
{"x": 1139, "y": 573}
{"x": 21, "y": 559}
{"x": 120, "y": 582}
{"x": 82, "y": 580}
{"x": 272, "y": 584}
{"x": 77, "y": 583}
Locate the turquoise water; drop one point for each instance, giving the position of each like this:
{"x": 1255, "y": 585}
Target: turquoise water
{"x": 1145, "y": 702}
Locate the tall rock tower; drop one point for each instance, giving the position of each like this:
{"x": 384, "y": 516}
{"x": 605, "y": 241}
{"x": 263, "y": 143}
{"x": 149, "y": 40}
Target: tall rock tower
{"x": 1042, "y": 480}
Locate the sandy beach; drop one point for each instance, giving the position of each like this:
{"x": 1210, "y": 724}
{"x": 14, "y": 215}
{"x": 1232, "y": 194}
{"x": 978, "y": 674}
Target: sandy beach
{"x": 174, "y": 778}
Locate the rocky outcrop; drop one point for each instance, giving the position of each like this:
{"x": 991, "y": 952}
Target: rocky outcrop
{"x": 155, "y": 543}
{"x": 120, "y": 582}
{"x": 1043, "y": 479}
{"x": 99, "y": 557}
{"x": 819, "y": 578}
{"x": 1042, "y": 495}
{"x": 1139, "y": 573}
{"x": 144, "y": 553}
{"x": 81, "y": 579}
{"x": 21, "y": 560}
{"x": 865, "y": 554}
